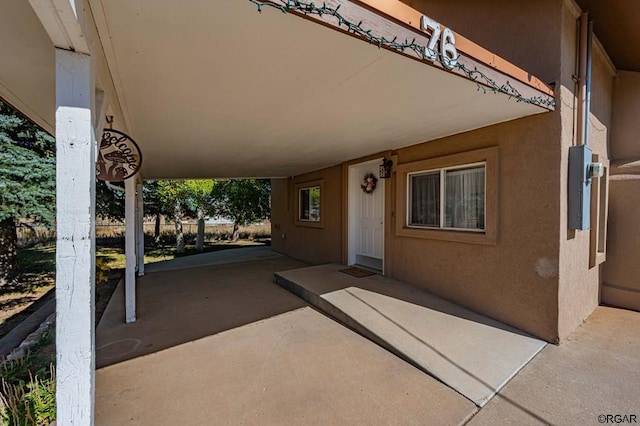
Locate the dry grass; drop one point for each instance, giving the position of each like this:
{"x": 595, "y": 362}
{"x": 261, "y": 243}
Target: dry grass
{"x": 255, "y": 231}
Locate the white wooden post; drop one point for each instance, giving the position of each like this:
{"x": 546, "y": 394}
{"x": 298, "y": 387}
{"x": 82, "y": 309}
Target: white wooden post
{"x": 140, "y": 226}
{"x": 75, "y": 242}
{"x": 130, "y": 249}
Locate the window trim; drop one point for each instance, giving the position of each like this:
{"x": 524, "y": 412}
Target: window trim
{"x": 488, "y": 236}
{"x": 297, "y": 200}
{"x": 599, "y": 214}
{"x": 310, "y": 188}
{"x": 443, "y": 173}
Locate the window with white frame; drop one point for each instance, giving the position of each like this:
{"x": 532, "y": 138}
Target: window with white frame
{"x": 309, "y": 204}
{"x": 447, "y": 198}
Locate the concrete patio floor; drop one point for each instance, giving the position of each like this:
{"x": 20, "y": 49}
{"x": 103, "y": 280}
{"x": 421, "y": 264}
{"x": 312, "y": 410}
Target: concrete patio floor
{"x": 469, "y": 352}
{"x": 595, "y": 373}
{"x": 223, "y": 344}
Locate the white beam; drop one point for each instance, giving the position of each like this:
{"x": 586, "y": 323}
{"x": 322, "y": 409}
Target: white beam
{"x": 75, "y": 242}
{"x": 140, "y": 226}
{"x": 130, "y": 249}
{"x": 60, "y": 19}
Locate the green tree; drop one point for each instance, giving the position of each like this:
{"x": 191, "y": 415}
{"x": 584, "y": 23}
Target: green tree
{"x": 27, "y": 183}
{"x": 243, "y": 200}
{"x": 154, "y": 205}
{"x": 173, "y": 194}
{"x": 198, "y": 193}
{"x": 109, "y": 202}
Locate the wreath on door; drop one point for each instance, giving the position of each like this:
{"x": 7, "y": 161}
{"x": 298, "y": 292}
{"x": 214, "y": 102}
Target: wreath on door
{"x": 369, "y": 183}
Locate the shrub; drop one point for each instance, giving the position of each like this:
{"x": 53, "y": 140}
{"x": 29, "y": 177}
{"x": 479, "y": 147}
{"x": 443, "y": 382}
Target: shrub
{"x": 28, "y": 386}
{"x": 30, "y": 403}
{"x": 102, "y": 270}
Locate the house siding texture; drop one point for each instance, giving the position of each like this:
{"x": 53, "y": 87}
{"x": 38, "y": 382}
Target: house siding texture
{"x": 621, "y": 272}
{"x": 537, "y": 275}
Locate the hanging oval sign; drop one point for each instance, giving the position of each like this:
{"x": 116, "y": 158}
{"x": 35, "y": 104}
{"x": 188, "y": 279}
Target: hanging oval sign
{"x": 119, "y": 157}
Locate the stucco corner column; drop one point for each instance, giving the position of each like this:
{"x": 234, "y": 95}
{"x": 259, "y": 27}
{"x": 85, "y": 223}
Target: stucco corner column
{"x": 75, "y": 241}
{"x": 130, "y": 249}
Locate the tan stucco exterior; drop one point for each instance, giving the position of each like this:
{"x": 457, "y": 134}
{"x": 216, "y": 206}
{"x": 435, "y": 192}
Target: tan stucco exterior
{"x": 532, "y": 271}
{"x": 579, "y": 282}
{"x": 626, "y": 126}
{"x": 317, "y": 244}
{"x": 621, "y": 274}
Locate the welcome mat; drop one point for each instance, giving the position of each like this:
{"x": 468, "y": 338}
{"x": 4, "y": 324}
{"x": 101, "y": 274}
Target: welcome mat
{"x": 357, "y": 272}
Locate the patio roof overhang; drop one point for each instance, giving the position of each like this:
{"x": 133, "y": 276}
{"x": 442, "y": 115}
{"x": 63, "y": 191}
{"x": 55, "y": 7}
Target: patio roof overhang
{"x": 218, "y": 89}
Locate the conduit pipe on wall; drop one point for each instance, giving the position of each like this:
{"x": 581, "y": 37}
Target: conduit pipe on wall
{"x": 581, "y": 168}
{"x": 584, "y": 79}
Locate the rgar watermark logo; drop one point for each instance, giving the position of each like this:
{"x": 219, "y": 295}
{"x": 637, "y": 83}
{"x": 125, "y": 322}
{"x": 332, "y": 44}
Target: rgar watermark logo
{"x": 617, "y": 418}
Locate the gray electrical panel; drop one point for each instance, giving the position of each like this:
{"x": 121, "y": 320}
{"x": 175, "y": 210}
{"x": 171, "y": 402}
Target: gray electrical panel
{"x": 579, "y": 187}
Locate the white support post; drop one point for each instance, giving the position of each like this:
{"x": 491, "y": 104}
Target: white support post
{"x": 75, "y": 241}
{"x": 140, "y": 226}
{"x": 130, "y": 250}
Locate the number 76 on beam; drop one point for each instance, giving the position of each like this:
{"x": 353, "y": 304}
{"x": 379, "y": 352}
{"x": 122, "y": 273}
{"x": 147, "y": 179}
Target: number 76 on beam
{"x": 445, "y": 51}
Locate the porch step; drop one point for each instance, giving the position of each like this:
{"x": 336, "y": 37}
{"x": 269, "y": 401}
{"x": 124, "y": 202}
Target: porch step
{"x": 468, "y": 352}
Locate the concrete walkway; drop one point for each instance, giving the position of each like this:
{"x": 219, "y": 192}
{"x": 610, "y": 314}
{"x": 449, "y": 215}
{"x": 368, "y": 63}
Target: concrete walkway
{"x": 595, "y": 374}
{"x": 472, "y": 354}
{"x": 220, "y": 257}
{"x": 224, "y": 345}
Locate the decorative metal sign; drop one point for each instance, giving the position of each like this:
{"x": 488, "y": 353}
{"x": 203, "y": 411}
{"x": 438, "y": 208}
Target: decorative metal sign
{"x": 119, "y": 157}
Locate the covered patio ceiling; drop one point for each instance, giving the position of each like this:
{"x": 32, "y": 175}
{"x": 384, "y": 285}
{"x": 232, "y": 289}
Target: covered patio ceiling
{"x": 217, "y": 89}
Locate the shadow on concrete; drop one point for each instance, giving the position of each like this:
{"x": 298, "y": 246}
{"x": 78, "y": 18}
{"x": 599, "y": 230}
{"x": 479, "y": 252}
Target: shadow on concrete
{"x": 473, "y": 354}
{"x": 321, "y": 280}
{"x": 179, "y": 306}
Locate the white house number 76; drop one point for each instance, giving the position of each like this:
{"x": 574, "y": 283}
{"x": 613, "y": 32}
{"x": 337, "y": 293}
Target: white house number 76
{"x": 448, "y": 55}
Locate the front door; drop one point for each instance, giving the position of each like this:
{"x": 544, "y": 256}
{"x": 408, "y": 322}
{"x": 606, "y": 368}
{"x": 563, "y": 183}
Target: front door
{"x": 366, "y": 216}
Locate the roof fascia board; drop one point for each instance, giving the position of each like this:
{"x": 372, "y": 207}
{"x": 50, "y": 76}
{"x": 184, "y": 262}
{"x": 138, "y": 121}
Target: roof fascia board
{"x": 405, "y": 14}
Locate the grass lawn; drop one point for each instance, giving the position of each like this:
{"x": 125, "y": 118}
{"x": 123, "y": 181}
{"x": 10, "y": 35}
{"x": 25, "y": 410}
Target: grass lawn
{"x": 115, "y": 259}
{"x": 36, "y": 282}
{"x": 32, "y": 289}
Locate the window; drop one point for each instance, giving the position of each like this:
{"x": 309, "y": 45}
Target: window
{"x": 449, "y": 198}
{"x": 452, "y": 198}
{"x": 309, "y": 206}
{"x": 309, "y": 202}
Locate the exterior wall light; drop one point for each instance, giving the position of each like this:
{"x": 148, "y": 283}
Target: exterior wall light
{"x": 385, "y": 169}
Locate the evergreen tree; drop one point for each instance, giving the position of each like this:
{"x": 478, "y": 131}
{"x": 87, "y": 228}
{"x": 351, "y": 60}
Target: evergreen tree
{"x": 109, "y": 202}
{"x": 153, "y": 205}
{"x": 27, "y": 183}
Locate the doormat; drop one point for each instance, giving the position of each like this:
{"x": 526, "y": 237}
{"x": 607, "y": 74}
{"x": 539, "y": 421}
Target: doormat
{"x": 357, "y": 272}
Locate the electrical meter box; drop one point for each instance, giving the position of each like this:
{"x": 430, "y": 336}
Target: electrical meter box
{"x": 579, "y": 187}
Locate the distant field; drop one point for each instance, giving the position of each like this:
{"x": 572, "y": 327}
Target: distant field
{"x": 30, "y": 236}
{"x": 263, "y": 230}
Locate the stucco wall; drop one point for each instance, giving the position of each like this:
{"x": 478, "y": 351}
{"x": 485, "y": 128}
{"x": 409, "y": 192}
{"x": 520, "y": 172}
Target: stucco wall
{"x": 522, "y": 32}
{"x": 537, "y": 276}
{"x": 579, "y": 284}
{"x": 625, "y": 132}
{"x": 311, "y": 244}
{"x": 516, "y": 280}
{"x": 621, "y": 272}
